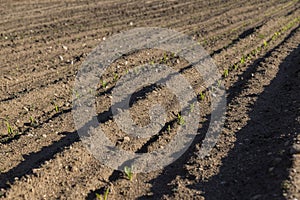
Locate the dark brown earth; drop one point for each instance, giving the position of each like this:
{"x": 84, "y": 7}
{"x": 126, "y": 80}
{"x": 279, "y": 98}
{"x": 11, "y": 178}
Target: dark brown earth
{"x": 42, "y": 46}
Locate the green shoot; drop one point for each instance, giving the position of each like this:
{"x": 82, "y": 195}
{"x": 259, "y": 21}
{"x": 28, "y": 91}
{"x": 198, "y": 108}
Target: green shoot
{"x": 32, "y": 121}
{"x": 225, "y": 73}
{"x": 169, "y": 128}
{"x": 254, "y": 52}
{"x": 165, "y": 58}
{"x": 249, "y": 57}
{"x": 77, "y": 94}
{"x": 104, "y": 84}
{"x": 192, "y": 107}
{"x": 116, "y": 76}
{"x": 258, "y": 49}
{"x": 243, "y": 60}
{"x": 180, "y": 119}
{"x": 265, "y": 43}
{"x": 10, "y": 130}
{"x": 173, "y": 55}
{"x": 235, "y": 66}
{"x": 261, "y": 36}
{"x": 128, "y": 172}
{"x": 56, "y": 108}
{"x": 219, "y": 83}
{"x": 275, "y": 35}
{"x": 202, "y": 96}
{"x": 104, "y": 197}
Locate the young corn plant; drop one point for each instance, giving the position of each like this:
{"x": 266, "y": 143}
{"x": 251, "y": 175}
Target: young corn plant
{"x": 235, "y": 66}
{"x": 219, "y": 83}
{"x": 128, "y": 172}
{"x": 180, "y": 119}
{"x": 33, "y": 122}
{"x": 192, "y": 107}
{"x": 202, "y": 96}
{"x": 56, "y": 108}
{"x": 104, "y": 84}
{"x": 169, "y": 128}
{"x": 226, "y": 73}
{"x": 116, "y": 77}
{"x": 165, "y": 58}
{"x": 105, "y": 195}
{"x": 10, "y": 130}
{"x": 243, "y": 59}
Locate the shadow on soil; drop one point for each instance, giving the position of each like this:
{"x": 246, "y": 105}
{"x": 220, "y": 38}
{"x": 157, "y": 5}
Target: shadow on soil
{"x": 35, "y": 160}
{"x": 258, "y": 164}
{"x": 255, "y": 167}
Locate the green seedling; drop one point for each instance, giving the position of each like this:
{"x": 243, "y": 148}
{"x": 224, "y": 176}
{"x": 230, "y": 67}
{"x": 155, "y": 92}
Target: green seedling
{"x": 165, "y": 58}
{"x": 226, "y": 73}
{"x": 152, "y": 62}
{"x": 219, "y": 83}
{"x": 243, "y": 59}
{"x": 261, "y": 36}
{"x": 265, "y": 43}
{"x": 104, "y": 84}
{"x": 32, "y": 121}
{"x": 77, "y": 95}
{"x": 169, "y": 128}
{"x": 128, "y": 172}
{"x": 56, "y": 108}
{"x": 180, "y": 119}
{"x": 10, "y": 130}
{"x": 202, "y": 96}
{"x": 116, "y": 77}
{"x": 192, "y": 107}
{"x": 254, "y": 52}
{"x": 104, "y": 197}
{"x": 235, "y": 66}
{"x": 249, "y": 57}
{"x": 173, "y": 55}
{"x": 275, "y": 35}
{"x": 258, "y": 49}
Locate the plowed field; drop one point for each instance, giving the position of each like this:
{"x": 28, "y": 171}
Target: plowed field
{"x": 256, "y": 47}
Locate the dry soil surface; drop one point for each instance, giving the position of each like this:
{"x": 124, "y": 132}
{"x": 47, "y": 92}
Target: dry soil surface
{"x": 255, "y": 45}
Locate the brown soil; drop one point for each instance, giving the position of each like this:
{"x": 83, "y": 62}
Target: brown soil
{"x": 42, "y": 46}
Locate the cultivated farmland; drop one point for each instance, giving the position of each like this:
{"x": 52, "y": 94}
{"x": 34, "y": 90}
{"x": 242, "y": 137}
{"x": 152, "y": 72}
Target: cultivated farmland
{"x": 255, "y": 45}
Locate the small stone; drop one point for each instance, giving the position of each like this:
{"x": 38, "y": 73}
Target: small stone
{"x": 44, "y": 135}
{"x": 61, "y": 58}
{"x": 65, "y": 47}
{"x": 295, "y": 149}
{"x": 126, "y": 138}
